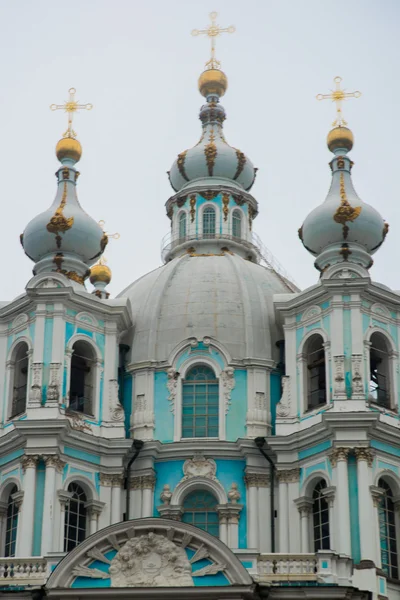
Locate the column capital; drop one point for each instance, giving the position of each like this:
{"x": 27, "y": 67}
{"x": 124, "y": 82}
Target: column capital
{"x": 377, "y": 494}
{"x": 106, "y": 479}
{"x": 143, "y": 482}
{"x": 364, "y": 454}
{"x": 329, "y": 493}
{"x": 257, "y": 480}
{"x": 304, "y": 505}
{"x": 338, "y": 454}
{"x": 288, "y": 476}
{"x": 29, "y": 461}
{"x": 229, "y": 513}
{"x": 18, "y": 498}
{"x": 55, "y": 462}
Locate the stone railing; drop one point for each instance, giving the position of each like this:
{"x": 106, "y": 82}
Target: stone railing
{"x": 324, "y": 566}
{"x": 23, "y": 571}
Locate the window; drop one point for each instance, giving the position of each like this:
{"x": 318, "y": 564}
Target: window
{"x": 81, "y": 392}
{"x": 320, "y": 518}
{"x": 75, "y": 518}
{"x": 182, "y": 226}
{"x": 20, "y": 380}
{"x": 387, "y": 531}
{"x": 237, "y": 223}
{"x": 379, "y": 386}
{"x": 316, "y": 377}
{"x": 209, "y": 222}
{"x": 200, "y": 510}
{"x": 11, "y": 524}
{"x": 200, "y": 403}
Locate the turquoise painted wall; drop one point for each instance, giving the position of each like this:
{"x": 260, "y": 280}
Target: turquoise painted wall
{"x": 228, "y": 472}
{"x": 354, "y": 518}
{"x": 347, "y": 348}
{"x": 236, "y": 416}
{"x": 275, "y": 393}
{"x": 164, "y": 418}
{"x": 39, "y": 508}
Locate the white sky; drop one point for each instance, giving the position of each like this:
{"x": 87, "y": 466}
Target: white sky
{"x": 138, "y": 64}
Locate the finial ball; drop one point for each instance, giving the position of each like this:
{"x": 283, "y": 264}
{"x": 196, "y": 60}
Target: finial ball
{"x": 100, "y": 273}
{"x": 340, "y": 137}
{"x": 213, "y": 82}
{"x": 69, "y": 147}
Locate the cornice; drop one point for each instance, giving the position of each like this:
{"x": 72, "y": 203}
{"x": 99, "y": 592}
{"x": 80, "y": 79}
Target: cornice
{"x": 198, "y": 189}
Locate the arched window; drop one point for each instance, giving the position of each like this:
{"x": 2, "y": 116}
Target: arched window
{"x": 75, "y": 517}
{"x": 387, "y": 531}
{"x": 200, "y": 403}
{"x": 237, "y": 223}
{"x": 182, "y": 226}
{"x": 20, "y": 380}
{"x": 379, "y": 366}
{"x": 11, "y": 523}
{"x": 316, "y": 376}
{"x": 200, "y": 510}
{"x": 81, "y": 393}
{"x": 209, "y": 222}
{"x": 320, "y": 518}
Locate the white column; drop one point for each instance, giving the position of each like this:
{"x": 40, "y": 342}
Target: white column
{"x": 264, "y": 504}
{"x": 233, "y": 524}
{"x": 148, "y": 482}
{"x": 223, "y": 527}
{"x": 110, "y": 367}
{"x": 26, "y": 521}
{"x": 341, "y": 524}
{"x": 283, "y": 512}
{"x": 377, "y": 494}
{"x": 252, "y": 511}
{"x": 305, "y": 528}
{"x": 116, "y": 516}
{"x": 365, "y": 506}
{"x": 92, "y": 514}
{"x": 52, "y": 462}
{"x": 64, "y": 497}
{"x": 105, "y": 497}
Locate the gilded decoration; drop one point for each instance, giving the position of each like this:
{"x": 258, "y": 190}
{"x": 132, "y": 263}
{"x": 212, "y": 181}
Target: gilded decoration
{"x": 209, "y": 194}
{"x": 210, "y": 152}
{"x": 225, "y": 202}
{"x": 241, "y": 162}
{"x": 340, "y": 162}
{"x": 345, "y": 251}
{"x": 345, "y": 212}
{"x": 104, "y": 241}
{"x": 385, "y": 229}
{"x": 238, "y": 199}
{"x": 181, "y": 201}
{"x": 192, "y": 207}
{"x": 58, "y": 221}
{"x": 181, "y": 164}
{"x": 364, "y": 454}
{"x": 251, "y": 216}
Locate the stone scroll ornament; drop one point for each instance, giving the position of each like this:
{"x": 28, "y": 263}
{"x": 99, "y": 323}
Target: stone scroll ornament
{"x": 150, "y": 560}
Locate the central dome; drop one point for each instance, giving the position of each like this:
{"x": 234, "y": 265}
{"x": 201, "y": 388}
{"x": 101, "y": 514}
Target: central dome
{"x": 224, "y": 297}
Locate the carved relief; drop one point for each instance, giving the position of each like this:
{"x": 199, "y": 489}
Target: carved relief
{"x": 311, "y": 313}
{"x": 29, "y": 462}
{"x": 192, "y": 207}
{"x": 257, "y": 479}
{"x": 116, "y": 409}
{"x": 225, "y": 207}
{"x": 35, "y": 392}
{"x": 283, "y": 406}
{"x": 289, "y": 476}
{"x": 339, "y": 385}
{"x": 77, "y": 422}
{"x": 380, "y": 310}
{"x": 172, "y": 385}
{"x": 53, "y": 389}
{"x": 199, "y": 466}
{"x": 357, "y": 380}
{"x": 19, "y": 322}
{"x": 228, "y": 383}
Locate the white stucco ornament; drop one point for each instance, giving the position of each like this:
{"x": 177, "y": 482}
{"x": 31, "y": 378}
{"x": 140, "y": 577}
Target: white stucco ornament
{"x": 199, "y": 466}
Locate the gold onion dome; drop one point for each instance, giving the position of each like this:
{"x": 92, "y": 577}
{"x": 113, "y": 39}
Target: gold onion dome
{"x": 213, "y": 82}
{"x": 340, "y": 137}
{"x": 69, "y": 147}
{"x": 100, "y": 273}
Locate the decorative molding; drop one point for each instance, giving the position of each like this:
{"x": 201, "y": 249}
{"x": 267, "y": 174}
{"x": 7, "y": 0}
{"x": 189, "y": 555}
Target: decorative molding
{"x": 229, "y": 513}
{"x": 35, "y": 392}
{"x": 172, "y": 386}
{"x": 54, "y": 461}
{"x": 94, "y": 507}
{"x": 377, "y": 495}
{"x": 77, "y": 422}
{"x": 357, "y": 380}
{"x": 53, "y": 389}
{"x": 339, "y": 386}
{"x": 364, "y": 454}
{"x": 18, "y": 498}
{"x": 174, "y": 511}
{"x": 64, "y": 497}
{"x": 143, "y": 482}
{"x": 106, "y": 479}
{"x": 199, "y": 466}
{"x": 338, "y": 454}
{"x": 227, "y": 377}
{"x": 312, "y": 313}
{"x": 304, "y": 505}
{"x": 257, "y": 480}
{"x": 116, "y": 409}
{"x": 29, "y": 461}
{"x": 283, "y": 406}
{"x": 225, "y": 207}
{"x": 288, "y": 476}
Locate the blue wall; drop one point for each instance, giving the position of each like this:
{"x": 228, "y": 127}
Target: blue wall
{"x": 39, "y": 507}
{"x": 236, "y": 416}
{"x": 275, "y": 396}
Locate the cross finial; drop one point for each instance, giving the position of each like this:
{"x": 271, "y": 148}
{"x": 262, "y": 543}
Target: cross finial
{"x": 70, "y": 107}
{"x": 338, "y": 95}
{"x": 213, "y": 31}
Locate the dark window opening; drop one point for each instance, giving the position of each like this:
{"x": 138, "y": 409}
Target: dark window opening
{"x": 316, "y": 384}
{"x": 379, "y": 385}
{"x": 320, "y": 518}
{"x": 81, "y": 392}
{"x": 75, "y": 518}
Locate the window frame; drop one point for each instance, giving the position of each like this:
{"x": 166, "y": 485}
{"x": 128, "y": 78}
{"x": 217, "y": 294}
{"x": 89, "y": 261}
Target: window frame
{"x": 305, "y": 371}
{"x": 391, "y": 568}
{"x": 322, "y": 504}
{"x": 97, "y": 375}
{"x": 208, "y": 392}
{"x": 11, "y": 375}
{"x": 199, "y": 511}
{"x": 13, "y": 504}
{"x": 391, "y": 375}
{"x": 81, "y": 509}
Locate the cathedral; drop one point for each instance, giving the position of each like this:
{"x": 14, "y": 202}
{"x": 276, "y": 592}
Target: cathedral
{"x": 213, "y": 432}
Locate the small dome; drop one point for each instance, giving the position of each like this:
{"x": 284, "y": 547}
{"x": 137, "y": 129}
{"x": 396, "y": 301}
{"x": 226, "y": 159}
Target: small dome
{"x": 213, "y": 82}
{"x": 340, "y": 138}
{"x": 69, "y": 148}
{"x": 100, "y": 272}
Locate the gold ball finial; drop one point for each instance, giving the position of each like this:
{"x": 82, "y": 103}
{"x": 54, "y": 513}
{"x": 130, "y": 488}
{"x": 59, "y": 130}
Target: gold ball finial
{"x": 69, "y": 147}
{"x": 100, "y": 273}
{"x": 213, "y": 82}
{"x": 340, "y": 137}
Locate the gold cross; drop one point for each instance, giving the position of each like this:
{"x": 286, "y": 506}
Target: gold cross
{"x": 114, "y": 236}
{"x": 338, "y": 95}
{"x": 213, "y": 31}
{"x": 70, "y": 107}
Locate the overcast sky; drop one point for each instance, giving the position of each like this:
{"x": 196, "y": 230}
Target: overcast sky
{"x": 138, "y": 64}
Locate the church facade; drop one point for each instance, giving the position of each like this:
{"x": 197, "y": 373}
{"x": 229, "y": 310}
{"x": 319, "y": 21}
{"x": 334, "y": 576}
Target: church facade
{"x": 213, "y": 431}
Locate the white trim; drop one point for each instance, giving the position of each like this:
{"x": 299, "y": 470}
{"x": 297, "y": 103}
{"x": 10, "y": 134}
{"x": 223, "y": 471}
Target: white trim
{"x": 244, "y": 227}
{"x": 191, "y": 343}
{"x": 392, "y": 479}
{"x": 185, "y": 367}
{"x": 184, "y": 488}
{"x": 7, "y": 483}
{"x": 311, "y": 481}
{"x": 303, "y": 370}
{"x": 175, "y": 228}
{"x": 217, "y": 217}
{"x": 87, "y": 485}
{"x": 393, "y": 359}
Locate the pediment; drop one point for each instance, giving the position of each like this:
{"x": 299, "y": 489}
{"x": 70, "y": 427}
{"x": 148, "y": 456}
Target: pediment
{"x": 149, "y": 553}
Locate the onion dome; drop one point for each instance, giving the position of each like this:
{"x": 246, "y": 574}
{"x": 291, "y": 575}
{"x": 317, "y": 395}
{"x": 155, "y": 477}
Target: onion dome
{"x": 212, "y": 158}
{"x": 343, "y": 228}
{"x": 64, "y": 238}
